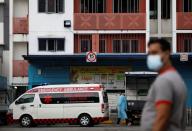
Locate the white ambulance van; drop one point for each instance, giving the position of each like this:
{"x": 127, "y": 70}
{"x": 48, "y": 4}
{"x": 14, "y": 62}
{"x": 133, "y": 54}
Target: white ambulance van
{"x": 84, "y": 104}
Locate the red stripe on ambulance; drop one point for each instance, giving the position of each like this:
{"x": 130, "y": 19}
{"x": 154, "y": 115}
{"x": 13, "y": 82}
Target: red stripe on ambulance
{"x": 63, "y": 89}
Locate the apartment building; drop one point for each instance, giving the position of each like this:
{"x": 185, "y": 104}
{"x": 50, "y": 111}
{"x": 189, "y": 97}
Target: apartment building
{"x": 4, "y": 36}
{"x": 4, "y": 51}
{"x": 54, "y": 36}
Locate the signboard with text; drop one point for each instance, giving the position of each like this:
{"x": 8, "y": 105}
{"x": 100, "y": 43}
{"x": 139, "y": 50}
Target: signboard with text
{"x": 184, "y": 57}
{"x": 111, "y": 77}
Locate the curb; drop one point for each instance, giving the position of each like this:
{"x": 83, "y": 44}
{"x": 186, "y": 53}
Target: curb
{"x": 110, "y": 122}
{"x": 107, "y": 122}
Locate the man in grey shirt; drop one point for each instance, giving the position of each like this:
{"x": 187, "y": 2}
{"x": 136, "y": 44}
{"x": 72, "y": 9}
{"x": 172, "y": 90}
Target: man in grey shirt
{"x": 166, "y": 101}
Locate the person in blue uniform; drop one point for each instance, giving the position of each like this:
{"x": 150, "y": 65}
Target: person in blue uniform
{"x": 122, "y": 109}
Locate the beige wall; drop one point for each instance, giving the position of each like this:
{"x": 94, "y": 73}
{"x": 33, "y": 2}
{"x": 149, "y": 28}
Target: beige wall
{"x": 20, "y": 8}
{"x": 6, "y": 64}
{"x": 19, "y": 49}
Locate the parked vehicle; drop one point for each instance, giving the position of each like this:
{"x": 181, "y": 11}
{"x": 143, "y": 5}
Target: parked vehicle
{"x": 84, "y": 104}
{"x": 134, "y": 111}
{"x": 137, "y": 86}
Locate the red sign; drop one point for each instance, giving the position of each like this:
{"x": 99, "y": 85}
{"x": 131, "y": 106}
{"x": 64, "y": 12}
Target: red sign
{"x": 91, "y": 56}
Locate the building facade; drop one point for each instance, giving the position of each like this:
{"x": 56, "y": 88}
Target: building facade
{"x": 50, "y": 39}
{"x": 4, "y": 58}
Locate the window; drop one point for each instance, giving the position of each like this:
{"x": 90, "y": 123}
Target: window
{"x": 93, "y": 6}
{"x": 42, "y": 5}
{"x": 42, "y": 45}
{"x": 125, "y": 46}
{"x": 1, "y": 13}
{"x": 28, "y": 98}
{"x": 187, "y": 5}
{"x": 153, "y": 9}
{"x": 91, "y": 97}
{"x": 60, "y": 6}
{"x": 165, "y": 9}
{"x": 51, "y": 6}
{"x": 187, "y": 45}
{"x": 60, "y": 45}
{"x": 86, "y": 45}
{"x": 134, "y": 46}
{"x": 102, "y": 46}
{"x": 53, "y": 98}
{"x": 116, "y": 46}
{"x": 51, "y": 44}
{"x": 69, "y": 98}
{"x": 125, "y": 6}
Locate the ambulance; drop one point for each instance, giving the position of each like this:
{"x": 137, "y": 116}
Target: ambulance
{"x": 83, "y": 104}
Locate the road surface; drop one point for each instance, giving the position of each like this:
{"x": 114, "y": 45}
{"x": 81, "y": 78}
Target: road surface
{"x": 72, "y": 128}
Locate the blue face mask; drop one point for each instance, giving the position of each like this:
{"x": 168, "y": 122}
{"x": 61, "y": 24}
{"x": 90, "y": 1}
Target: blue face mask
{"x": 154, "y": 62}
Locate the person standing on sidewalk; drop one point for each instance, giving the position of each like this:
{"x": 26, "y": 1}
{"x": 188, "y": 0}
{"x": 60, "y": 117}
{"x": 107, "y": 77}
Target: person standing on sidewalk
{"x": 166, "y": 101}
{"x": 122, "y": 109}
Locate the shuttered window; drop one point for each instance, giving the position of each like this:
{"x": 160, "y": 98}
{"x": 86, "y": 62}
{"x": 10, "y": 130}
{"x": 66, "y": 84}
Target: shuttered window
{"x": 126, "y": 6}
{"x": 51, "y": 6}
{"x": 93, "y": 6}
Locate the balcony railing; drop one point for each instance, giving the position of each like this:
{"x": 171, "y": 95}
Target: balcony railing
{"x": 20, "y": 68}
{"x": 110, "y": 21}
{"x": 184, "y": 20}
{"x": 20, "y": 25}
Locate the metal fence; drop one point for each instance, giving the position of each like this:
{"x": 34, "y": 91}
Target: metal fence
{"x": 189, "y": 116}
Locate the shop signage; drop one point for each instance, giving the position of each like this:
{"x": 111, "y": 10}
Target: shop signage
{"x": 184, "y": 57}
{"x": 112, "y": 77}
{"x": 91, "y": 56}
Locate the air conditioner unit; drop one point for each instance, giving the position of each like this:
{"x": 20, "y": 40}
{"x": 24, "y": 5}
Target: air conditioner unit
{"x": 67, "y": 23}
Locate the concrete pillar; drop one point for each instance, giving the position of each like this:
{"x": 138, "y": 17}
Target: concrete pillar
{"x": 147, "y": 22}
{"x": 159, "y": 18}
{"x": 95, "y": 42}
{"x": 10, "y": 42}
{"x": 174, "y": 26}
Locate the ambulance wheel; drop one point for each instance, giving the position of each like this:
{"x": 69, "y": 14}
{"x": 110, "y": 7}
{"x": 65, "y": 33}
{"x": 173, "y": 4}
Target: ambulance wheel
{"x": 85, "y": 120}
{"x": 26, "y": 121}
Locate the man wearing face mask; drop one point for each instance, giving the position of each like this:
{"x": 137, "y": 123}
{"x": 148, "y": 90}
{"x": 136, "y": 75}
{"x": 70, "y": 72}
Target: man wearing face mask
{"x": 165, "y": 106}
